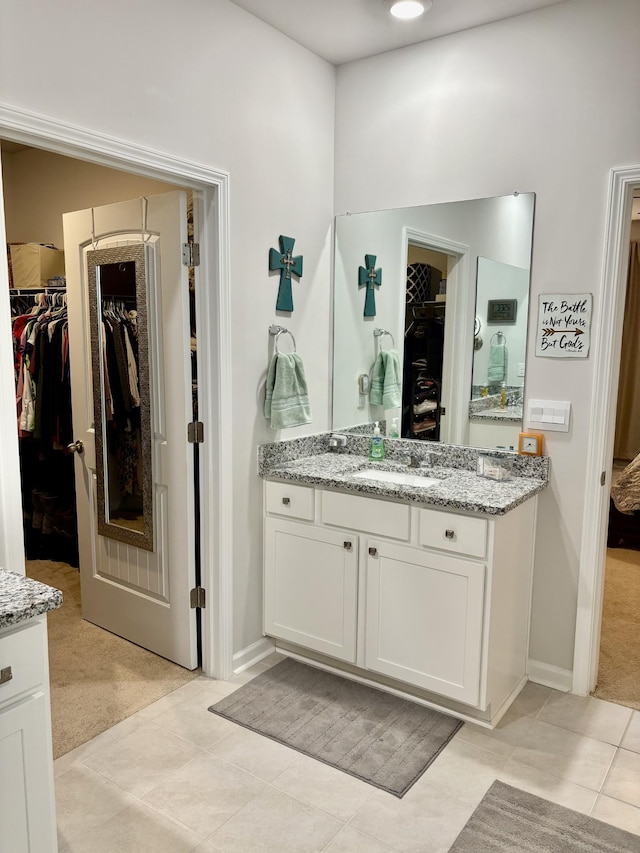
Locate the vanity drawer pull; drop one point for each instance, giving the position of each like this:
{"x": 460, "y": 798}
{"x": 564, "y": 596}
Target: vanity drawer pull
{"x": 373, "y": 552}
{"x": 286, "y": 501}
{"x": 348, "y": 546}
{"x": 450, "y": 534}
{"x": 5, "y": 675}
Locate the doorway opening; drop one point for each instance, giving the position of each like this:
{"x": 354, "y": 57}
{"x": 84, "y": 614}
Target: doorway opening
{"x": 623, "y": 184}
{"x": 424, "y": 343}
{"x": 618, "y": 678}
{"x": 113, "y": 678}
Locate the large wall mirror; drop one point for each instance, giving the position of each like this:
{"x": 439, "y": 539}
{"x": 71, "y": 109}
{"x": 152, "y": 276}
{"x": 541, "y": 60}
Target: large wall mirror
{"x": 452, "y": 301}
{"x": 122, "y": 406}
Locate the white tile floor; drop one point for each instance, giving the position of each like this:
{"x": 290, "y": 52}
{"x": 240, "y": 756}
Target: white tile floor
{"x": 175, "y": 778}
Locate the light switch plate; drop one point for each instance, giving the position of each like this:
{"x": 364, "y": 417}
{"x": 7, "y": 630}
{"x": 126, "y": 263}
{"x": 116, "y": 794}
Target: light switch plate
{"x": 548, "y": 415}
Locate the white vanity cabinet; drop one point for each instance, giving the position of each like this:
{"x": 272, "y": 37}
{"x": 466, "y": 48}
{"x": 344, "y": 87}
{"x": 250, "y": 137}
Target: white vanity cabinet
{"x": 430, "y": 602}
{"x": 27, "y": 806}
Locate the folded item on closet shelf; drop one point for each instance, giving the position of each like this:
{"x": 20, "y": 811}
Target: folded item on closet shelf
{"x": 386, "y": 387}
{"x": 423, "y": 425}
{"x": 497, "y": 369}
{"x": 427, "y": 406}
{"x": 286, "y": 402}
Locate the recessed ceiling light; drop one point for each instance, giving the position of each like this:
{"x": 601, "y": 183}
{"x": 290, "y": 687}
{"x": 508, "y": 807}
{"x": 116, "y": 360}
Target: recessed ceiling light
{"x": 407, "y": 9}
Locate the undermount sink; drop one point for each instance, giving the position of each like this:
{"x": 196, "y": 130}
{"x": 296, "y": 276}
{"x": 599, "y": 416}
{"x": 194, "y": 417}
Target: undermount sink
{"x": 397, "y": 477}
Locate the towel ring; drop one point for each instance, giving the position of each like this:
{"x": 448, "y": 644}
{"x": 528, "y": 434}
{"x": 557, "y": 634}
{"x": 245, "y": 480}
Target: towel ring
{"x": 378, "y": 333}
{"x": 280, "y": 330}
{"x": 500, "y": 336}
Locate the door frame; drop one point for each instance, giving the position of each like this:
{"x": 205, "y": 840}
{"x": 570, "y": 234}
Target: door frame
{"x": 460, "y": 311}
{"x": 604, "y": 394}
{"x": 213, "y": 312}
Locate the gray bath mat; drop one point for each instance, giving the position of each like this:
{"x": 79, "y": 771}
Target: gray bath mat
{"x": 511, "y": 821}
{"x": 384, "y": 740}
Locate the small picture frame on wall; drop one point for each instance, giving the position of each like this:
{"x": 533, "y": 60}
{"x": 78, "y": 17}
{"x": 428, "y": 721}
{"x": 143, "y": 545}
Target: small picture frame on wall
{"x": 501, "y": 310}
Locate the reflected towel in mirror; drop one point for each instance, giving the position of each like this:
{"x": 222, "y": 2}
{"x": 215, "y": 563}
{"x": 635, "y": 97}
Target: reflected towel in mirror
{"x": 386, "y": 383}
{"x": 497, "y": 368}
{"x": 286, "y": 402}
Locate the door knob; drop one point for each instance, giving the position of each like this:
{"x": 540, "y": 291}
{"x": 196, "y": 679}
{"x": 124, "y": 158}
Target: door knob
{"x": 75, "y": 447}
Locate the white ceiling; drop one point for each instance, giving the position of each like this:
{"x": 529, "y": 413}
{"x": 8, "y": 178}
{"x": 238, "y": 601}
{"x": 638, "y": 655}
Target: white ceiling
{"x": 343, "y": 30}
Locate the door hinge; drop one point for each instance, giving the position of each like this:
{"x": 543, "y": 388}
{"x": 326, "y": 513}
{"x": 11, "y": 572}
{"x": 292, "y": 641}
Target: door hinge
{"x": 195, "y": 432}
{"x": 443, "y": 411}
{"x": 191, "y": 254}
{"x": 603, "y": 478}
{"x": 198, "y": 598}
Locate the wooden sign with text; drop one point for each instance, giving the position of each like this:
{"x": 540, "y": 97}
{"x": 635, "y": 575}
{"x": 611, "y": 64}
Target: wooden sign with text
{"x": 564, "y": 325}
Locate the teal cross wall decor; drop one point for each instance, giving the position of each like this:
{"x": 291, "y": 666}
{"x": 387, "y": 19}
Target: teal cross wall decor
{"x": 287, "y": 264}
{"x": 368, "y": 275}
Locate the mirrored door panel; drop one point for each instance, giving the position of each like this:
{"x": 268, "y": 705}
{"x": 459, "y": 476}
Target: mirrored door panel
{"x": 120, "y": 364}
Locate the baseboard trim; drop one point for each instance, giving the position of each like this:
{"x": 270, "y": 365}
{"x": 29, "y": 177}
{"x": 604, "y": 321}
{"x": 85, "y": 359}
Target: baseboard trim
{"x": 549, "y": 675}
{"x": 252, "y": 654}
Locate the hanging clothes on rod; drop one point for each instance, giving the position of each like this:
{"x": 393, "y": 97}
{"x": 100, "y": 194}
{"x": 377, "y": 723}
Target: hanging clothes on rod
{"x": 41, "y": 361}
{"x": 122, "y": 393}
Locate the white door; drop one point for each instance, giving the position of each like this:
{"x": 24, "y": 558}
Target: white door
{"x": 142, "y": 595}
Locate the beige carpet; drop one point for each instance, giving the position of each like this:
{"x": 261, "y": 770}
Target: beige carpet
{"x": 619, "y": 665}
{"x": 97, "y": 678}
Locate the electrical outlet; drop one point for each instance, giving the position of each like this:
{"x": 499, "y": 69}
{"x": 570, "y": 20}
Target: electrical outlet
{"x": 520, "y": 368}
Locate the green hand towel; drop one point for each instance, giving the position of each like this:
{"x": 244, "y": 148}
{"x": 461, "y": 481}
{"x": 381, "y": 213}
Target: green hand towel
{"x": 386, "y": 387}
{"x": 497, "y": 369}
{"x": 286, "y": 402}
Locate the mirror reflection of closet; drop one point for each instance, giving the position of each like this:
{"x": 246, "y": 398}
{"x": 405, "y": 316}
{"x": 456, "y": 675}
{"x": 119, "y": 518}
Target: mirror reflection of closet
{"x": 424, "y": 337}
{"x": 120, "y": 364}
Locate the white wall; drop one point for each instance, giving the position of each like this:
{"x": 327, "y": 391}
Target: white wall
{"x": 544, "y": 102}
{"x": 208, "y": 82}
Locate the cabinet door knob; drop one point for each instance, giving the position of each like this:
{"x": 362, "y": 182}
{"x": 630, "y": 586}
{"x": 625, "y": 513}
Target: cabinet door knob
{"x": 373, "y": 552}
{"x": 450, "y": 534}
{"x": 5, "y": 675}
{"x": 347, "y": 546}
{"x": 286, "y": 501}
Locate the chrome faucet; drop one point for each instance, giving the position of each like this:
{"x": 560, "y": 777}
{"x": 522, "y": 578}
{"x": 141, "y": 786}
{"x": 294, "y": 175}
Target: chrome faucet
{"x": 336, "y": 441}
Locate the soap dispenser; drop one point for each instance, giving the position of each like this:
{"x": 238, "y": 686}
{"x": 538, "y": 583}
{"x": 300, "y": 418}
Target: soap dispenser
{"x": 376, "y": 446}
{"x": 394, "y": 429}
{"x": 503, "y": 396}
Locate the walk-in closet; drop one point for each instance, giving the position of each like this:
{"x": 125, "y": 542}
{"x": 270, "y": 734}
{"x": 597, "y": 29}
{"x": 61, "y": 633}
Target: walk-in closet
{"x": 114, "y": 677}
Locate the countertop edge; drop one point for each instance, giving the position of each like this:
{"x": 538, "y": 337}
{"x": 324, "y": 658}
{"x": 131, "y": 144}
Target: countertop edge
{"x": 409, "y": 496}
{"x": 22, "y": 598}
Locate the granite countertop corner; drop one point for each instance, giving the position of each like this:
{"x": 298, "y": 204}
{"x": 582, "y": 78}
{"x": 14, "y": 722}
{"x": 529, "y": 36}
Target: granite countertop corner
{"x": 22, "y": 598}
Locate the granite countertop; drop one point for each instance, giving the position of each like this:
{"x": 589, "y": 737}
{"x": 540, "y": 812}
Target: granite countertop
{"x": 22, "y": 598}
{"x": 458, "y": 488}
{"x": 509, "y": 413}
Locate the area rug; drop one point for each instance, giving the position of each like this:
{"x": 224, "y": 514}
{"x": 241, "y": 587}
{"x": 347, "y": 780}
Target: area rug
{"x": 382, "y": 739}
{"x": 512, "y": 821}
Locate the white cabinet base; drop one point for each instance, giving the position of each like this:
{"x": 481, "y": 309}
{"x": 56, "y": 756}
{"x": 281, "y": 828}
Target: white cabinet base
{"x": 27, "y": 803}
{"x": 435, "y": 608}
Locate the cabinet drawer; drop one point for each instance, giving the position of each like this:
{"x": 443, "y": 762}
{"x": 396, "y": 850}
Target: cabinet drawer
{"x": 449, "y": 532}
{"x": 370, "y": 515}
{"x": 22, "y": 651}
{"x": 290, "y": 500}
